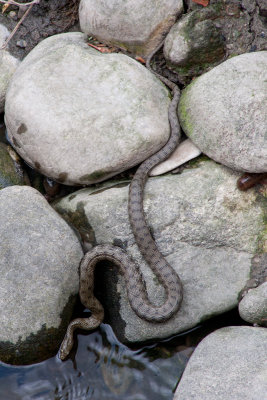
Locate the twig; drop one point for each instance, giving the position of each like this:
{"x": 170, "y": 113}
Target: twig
{"x": 15, "y": 3}
{"x": 18, "y": 25}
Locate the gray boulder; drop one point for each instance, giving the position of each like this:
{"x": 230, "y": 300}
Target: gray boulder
{"x": 79, "y": 116}
{"x": 253, "y": 307}
{"x": 136, "y": 26}
{"x": 39, "y": 259}
{"x": 229, "y": 364}
{"x": 206, "y": 228}
{"x": 224, "y": 112}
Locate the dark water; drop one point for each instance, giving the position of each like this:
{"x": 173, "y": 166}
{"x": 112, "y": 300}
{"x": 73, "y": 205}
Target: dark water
{"x": 102, "y": 368}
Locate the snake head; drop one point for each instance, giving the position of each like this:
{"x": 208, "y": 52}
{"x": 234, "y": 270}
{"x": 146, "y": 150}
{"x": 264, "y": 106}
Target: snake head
{"x": 65, "y": 347}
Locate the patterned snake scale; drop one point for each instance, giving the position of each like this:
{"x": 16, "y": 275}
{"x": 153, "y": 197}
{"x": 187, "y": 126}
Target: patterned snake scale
{"x": 135, "y": 287}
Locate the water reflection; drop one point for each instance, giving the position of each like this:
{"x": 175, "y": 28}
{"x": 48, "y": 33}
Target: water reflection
{"x": 102, "y": 368}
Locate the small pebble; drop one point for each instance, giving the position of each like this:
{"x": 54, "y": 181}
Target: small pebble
{"x": 21, "y": 43}
{"x": 13, "y": 14}
{"x": 35, "y": 35}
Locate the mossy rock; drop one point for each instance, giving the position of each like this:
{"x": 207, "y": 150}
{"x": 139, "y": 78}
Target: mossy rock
{"x": 11, "y": 172}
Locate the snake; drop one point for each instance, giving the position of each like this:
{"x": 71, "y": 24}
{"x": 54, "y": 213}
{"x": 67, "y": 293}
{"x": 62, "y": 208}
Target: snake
{"x": 136, "y": 290}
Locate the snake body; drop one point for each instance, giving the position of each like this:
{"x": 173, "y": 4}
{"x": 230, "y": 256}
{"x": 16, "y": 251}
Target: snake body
{"x": 135, "y": 287}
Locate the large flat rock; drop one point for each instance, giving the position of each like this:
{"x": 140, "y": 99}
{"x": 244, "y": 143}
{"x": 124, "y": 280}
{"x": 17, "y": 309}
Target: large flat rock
{"x": 205, "y": 227}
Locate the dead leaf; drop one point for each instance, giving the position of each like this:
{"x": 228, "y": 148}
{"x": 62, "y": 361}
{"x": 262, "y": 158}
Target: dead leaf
{"x": 203, "y": 3}
{"x": 140, "y": 59}
{"x": 5, "y": 7}
{"x": 101, "y": 48}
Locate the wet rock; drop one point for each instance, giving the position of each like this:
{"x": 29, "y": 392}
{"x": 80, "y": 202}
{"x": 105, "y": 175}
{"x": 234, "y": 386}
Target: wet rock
{"x": 79, "y": 116}
{"x": 253, "y": 307}
{"x": 224, "y": 112}
{"x": 207, "y": 229}
{"x": 230, "y": 363}
{"x": 183, "y": 153}
{"x": 8, "y": 65}
{"x": 135, "y": 26}
{"x": 11, "y": 172}
{"x": 194, "y": 43}
{"x": 39, "y": 259}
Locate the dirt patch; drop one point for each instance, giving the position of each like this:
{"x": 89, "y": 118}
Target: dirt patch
{"x": 47, "y": 18}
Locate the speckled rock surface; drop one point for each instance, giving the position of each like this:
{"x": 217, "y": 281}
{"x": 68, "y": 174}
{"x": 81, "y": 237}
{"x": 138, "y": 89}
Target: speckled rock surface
{"x": 229, "y": 364}
{"x": 253, "y": 307}
{"x": 224, "y": 112}
{"x": 137, "y": 26}
{"x": 79, "y": 116}
{"x": 39, "y": 259}
{"x": 8, "y": 65}
{"x": 207, "y": 229}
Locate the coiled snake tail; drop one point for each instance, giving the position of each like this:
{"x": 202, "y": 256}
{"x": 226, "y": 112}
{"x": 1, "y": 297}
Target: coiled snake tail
{"x": 135, "y": 287}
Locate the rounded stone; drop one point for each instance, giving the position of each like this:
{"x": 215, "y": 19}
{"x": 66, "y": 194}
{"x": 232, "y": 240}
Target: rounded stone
{"x": 8, "y": 65}
{"x": 138, "y": 26}
{"x": 229, "y": 364}
{"x": 39, "y": 260}
{"x": 224, "y": 112}
{"x": 80, "y": 116}
{"x": 253, "y": 307}
{"x": 194, "y": 42}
